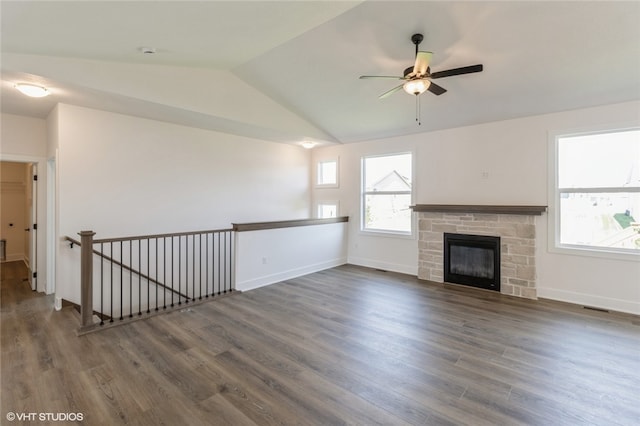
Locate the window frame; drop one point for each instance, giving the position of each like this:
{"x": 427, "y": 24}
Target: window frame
{"x": 363, "y": 194}
{"x": 333, "y": 203}
{"x": 554, "y": 244}
{"x": 318, "y": 184}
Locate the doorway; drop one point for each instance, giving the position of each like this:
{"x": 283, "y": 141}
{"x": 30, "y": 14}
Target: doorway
{"x": 18, "y": 216}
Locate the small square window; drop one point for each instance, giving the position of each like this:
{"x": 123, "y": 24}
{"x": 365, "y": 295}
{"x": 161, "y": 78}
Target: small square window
{"x": 327, "y": 173}
{"x": 327, "y": 209}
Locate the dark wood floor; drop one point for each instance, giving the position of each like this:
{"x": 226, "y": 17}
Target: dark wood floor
{"x": 344, "y": 346}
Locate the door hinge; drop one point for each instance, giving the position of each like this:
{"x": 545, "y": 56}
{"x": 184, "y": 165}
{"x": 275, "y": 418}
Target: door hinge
{"x": 35, "y": 177}
{"x": 35, "y": 275}
{"x": 35, "y": 226}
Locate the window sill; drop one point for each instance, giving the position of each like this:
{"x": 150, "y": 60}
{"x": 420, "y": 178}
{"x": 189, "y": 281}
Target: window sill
{"x": 388, "y": 234}
{"x": 602, "y": 253}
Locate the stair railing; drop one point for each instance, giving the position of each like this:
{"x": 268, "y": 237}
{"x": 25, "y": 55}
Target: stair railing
{"x": 144, "y": 275}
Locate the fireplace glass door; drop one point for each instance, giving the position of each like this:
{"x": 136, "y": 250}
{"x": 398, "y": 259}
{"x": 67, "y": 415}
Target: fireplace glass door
{"x": 472, "y": 260}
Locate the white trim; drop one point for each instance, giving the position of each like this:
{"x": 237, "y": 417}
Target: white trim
{"x": 51, "y": 225}
{"x": 589, "y": 300}
{"x": 390, "y": 234}
{"x": 363, "y": 193}
{"x": 287, "y": 275}
{"x": 553, "y": 195}
{"x": 385, "y": 266}
{"x": 589, "y": 251}
{"x": 317, "y": 171}
{"x": 44, "y": 243}
{"x": 335, "y": 203}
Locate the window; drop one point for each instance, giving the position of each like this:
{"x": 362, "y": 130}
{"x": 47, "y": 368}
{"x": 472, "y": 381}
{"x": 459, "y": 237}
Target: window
{"x": 327, "y": 173}
{"x": 386, "y": 193}
{"x": 327, "y": 209}
{"x": 598, "y": 191}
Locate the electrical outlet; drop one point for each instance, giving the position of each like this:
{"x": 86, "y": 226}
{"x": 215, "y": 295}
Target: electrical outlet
{"x": 264, "y": 260}
{"x": 485, "y": 175}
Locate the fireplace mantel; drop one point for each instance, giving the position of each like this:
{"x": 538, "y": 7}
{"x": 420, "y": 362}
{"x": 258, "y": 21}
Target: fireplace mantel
{"x": 488, "y": 209}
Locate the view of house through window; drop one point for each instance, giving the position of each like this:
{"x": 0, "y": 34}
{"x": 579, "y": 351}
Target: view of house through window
{"x": 598, "y": 178}
{"x": 386, "y": 193}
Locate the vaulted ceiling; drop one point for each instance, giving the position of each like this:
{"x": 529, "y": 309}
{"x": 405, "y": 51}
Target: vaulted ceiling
{"x": 288, "y": 70}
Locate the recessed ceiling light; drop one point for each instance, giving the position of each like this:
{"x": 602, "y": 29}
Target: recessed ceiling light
{"x": 32, "y": 90}
{"x": 148, "y": 50}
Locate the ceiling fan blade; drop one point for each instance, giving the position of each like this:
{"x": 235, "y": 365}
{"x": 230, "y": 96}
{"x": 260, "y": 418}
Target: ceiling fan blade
{"x": 363, "y": 77}
{"x": 457, "y": 71}
{"x": 390, "y": 92}
{"x": 435, "y": 89}
{"x": 422, "y": 63}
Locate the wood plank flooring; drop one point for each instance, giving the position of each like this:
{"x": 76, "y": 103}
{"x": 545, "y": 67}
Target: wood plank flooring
{"x": 348, "y": 345}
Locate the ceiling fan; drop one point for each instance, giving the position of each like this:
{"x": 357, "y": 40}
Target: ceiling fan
{"x": 417, "y": 78}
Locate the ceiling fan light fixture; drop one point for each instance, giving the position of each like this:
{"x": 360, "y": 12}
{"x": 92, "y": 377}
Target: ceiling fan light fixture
{"x": 417, "y": 86}
{"x": 32, "y": 90}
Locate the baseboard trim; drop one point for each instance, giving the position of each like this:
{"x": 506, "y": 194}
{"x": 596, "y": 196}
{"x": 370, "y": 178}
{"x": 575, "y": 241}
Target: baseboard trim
{"x": 589, "y": 300}
{"x": 385, "y": 266}
{"x": 287, "y": 275}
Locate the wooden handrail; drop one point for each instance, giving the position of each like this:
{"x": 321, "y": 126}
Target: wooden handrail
{"x": 259, "y": 226}
{"x": 147, "y": 237}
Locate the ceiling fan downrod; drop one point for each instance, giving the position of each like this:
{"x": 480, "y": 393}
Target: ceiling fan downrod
{"x": 417, "y": 39}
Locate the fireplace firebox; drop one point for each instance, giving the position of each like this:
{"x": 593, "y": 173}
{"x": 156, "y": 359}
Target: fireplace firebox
{"x": 472, "y": 260}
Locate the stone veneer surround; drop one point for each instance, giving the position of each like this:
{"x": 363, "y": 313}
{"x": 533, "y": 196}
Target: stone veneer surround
{"x": 517, "y": 234}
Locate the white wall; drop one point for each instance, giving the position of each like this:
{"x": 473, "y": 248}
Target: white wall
{"x": 273, "y": 255}
{"x": 24, "y": 139}
{"x": 389, "y": 253}
{"x": 23, "y": 136}
{"x": 120, "y": 175}
{"x": 495, "y": 163}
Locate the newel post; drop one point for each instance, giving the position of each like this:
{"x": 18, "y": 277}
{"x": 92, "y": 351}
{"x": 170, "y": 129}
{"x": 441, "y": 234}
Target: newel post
{"x": 86, "y": 278}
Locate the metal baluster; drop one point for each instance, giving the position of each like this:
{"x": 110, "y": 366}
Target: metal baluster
{"x": 200, "y": 264}
{"x": 111, "y": 279}
{"x": 172, "y": 268}
{"x": 121, "y": 279}
{"x": 193, "y": 267}
{"x": 131, "y": 279}
{"x": 102, "y": 284}
{"x": 206, "y": 279}
{"x": 225, "y": 262}
{"x": 157, "y": 277}
{"x": 148, "y": 275}
{"x": 186, "y": 268}
{"x": 179, "y": 270}
{"x": 231, "y": 260}
{"x": 219, "y": 264}
{"x": 164, "y": 272}
{"x": 140, "y": 277}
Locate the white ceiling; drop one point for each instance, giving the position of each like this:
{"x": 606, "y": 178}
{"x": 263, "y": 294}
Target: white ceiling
{"x": 289, "y": 70}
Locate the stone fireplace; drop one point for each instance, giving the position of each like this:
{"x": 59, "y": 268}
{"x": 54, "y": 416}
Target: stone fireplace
{"x": 514, "y": 225}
